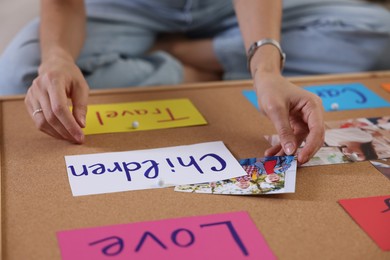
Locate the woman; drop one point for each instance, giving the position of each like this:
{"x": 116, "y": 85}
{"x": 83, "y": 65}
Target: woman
{"x": 113, "y": 44}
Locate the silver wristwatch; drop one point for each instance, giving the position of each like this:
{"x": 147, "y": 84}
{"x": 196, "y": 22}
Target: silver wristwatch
{"x": 258, "y": 44}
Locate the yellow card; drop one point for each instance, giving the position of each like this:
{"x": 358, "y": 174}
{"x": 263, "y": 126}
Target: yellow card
{"x": 137, "y": 116}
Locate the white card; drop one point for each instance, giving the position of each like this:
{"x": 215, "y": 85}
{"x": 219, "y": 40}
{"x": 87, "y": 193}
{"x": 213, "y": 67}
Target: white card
{"x": 154, "y": 168}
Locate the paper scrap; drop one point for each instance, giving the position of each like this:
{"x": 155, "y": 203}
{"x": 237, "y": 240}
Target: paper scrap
{"x": 267, "y": 175}
{"x": 386, "y": 86}
{"x": 372, "y": 214}
{"x": 350, "y": 140}
{"x": 383, "y": 166}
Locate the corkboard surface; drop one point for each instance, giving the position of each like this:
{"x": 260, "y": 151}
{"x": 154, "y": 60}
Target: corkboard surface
{"x": 36, "y": 199}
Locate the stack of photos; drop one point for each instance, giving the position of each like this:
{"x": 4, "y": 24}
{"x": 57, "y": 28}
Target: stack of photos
{"x": 267, "y": 175}
{"x": 351, "y": 140}
{"x": 324, "y": 156}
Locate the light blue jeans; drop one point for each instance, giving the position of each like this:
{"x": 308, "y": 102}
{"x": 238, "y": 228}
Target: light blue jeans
{"x": 317, "y": 38}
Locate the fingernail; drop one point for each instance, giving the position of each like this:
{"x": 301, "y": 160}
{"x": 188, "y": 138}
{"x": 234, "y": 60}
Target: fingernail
{"x": 289, "y": 148}
{"x": 82, "y": 121}
{"x": 80, "y": 138}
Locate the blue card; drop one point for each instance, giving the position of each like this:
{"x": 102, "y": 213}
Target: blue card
{"x": 338, "y": 97}
{"x": 347, "y": 96}
{"x": 251, "y": 96}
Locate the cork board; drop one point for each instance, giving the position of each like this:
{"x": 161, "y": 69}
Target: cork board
{"x": 36, "y": 199}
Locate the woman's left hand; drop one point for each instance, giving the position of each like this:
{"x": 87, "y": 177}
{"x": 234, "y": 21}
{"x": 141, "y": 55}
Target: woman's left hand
{"x": 296, "y": 114}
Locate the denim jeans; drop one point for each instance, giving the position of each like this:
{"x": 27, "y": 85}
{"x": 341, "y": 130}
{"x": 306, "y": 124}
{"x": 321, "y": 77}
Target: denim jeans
{"x": 317, "y": 36}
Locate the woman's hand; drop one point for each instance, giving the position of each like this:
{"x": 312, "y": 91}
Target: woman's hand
{"x": 59, "y": 79}
{"x": 296, "y": 114}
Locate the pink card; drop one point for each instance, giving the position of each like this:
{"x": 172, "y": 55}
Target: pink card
{"x": 220, "y": 236}
{"x": 373, "y": 215}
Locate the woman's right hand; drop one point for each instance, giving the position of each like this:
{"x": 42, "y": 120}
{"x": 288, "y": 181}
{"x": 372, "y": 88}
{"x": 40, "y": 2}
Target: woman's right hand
{"x": 59, "y": 79}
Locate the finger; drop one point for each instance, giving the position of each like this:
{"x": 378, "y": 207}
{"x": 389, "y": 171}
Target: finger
{"x": 28, "y": 102}
{"x": 273, "y": 150}
{"x": 61, "y": 112}
{"x": 314, "y": 141}
{"x": 300, "y": 130}
{"x": 80, "y": 101}
{"x": 280, "y": 153}
{"x": 38, "y": 118}
{"x": 51, "y": 124}
{"x": 315, "y": 137}
{"x": 43, "y": 126}
{"x": 280, "y": 118}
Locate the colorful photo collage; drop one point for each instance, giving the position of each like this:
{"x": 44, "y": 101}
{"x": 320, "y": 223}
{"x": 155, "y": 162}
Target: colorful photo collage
{"x": 267, "y": 175}
{"x": 351, "y": 140}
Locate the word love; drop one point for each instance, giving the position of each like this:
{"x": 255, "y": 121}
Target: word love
{"x": 144, "y": 169}
{"x": 150, "y": 168}
{"x": 181, "y": 238}
{"x": 219, "y": 236}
